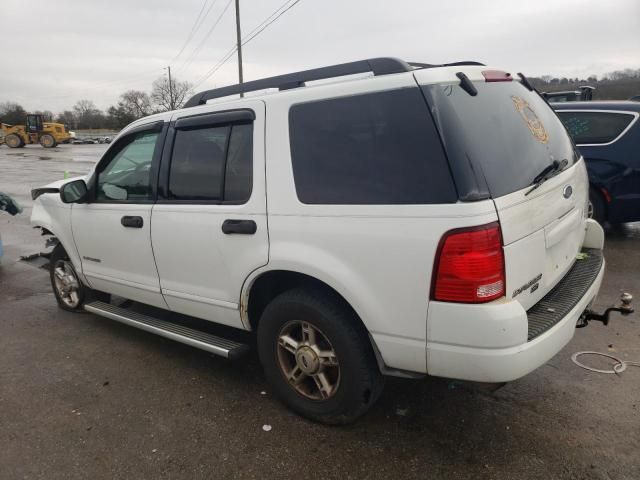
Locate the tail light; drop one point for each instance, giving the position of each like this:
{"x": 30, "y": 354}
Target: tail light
{"x": 469, "y": 265}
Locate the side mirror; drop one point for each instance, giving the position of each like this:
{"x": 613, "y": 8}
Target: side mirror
{"x": 74, "y": 192}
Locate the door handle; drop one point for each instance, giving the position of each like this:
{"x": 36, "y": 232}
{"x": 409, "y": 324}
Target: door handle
{"x": 242, "y": 227}
{"x": 131, "y": 222}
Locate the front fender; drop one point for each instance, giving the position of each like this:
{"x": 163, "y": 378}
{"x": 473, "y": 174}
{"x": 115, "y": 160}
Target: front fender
{"x": 50, "y": 213}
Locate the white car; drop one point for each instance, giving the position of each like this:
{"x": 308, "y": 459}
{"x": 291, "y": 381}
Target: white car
{"x": 407, "y": 220}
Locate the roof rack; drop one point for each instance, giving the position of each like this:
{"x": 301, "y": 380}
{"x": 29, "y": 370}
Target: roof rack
{"x": 453, "y": 64}
{"x": 378, "y": 66}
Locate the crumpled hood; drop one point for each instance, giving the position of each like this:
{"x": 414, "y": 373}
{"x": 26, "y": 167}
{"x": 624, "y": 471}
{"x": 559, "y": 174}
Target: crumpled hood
{"x": 54, "y": 187}
{"x": 59, "y": 183}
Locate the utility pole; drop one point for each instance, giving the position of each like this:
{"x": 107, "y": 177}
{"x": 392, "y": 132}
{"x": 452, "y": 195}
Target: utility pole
{"x": 171, "y": 102}
{"x": 239, "y": 41}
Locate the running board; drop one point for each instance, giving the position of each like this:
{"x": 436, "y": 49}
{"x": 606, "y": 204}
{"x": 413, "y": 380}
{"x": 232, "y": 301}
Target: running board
{"x": 196, "y": 338}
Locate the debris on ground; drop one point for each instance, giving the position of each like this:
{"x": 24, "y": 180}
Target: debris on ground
{"x": 266, "y": 428}
{"x": 9, "y": 205}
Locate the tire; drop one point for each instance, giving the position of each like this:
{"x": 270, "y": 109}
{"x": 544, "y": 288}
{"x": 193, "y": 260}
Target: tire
{"x": 13, "y": 141}
{"x": 346, "y": 370}
{"x": 48, "y": 141}
{"x": 597, "y": 208}
{"x": 60, "y": 260}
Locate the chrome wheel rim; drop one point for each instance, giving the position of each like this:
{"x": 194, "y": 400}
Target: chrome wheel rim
{"x": 66, "y": 283}
{"x": 307, "y": 360}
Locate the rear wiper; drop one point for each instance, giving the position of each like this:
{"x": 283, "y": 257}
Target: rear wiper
{"x": 546, "y": 173}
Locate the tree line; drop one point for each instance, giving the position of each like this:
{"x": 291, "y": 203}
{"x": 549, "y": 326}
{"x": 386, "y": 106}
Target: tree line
{"x": 616, "y": 85}
{"x": 131, "y": 105}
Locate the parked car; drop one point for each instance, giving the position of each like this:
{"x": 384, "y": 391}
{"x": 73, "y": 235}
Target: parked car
{"x": 583, "y": 94}
{"x": 370, "y": 227}
{"x": 635, "y": 98}
{"x": 608, "y": 136}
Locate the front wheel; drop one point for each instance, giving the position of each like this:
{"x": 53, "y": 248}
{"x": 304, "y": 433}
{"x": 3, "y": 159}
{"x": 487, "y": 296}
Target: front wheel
{"x": 67, "y": 287}
{"x": 317, "y": 358}
{"x": 47, "y": 141}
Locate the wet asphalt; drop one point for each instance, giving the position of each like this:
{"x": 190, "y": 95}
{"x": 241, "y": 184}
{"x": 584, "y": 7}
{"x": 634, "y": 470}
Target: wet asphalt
{"x": 84, "y": 397}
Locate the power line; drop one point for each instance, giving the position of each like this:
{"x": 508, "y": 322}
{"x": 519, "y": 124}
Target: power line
{"x": 194, "y": 53}
{"x": 250, "y": 36}
{"x": 196, "y": 25}
{"x": 253, "y": 35}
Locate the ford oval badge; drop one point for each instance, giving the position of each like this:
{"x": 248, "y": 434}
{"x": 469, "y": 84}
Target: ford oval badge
{"x": 567, "y": 191}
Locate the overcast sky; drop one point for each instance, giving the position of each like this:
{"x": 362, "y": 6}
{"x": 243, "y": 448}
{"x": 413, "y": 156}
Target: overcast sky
{"x": 54, "y": 53}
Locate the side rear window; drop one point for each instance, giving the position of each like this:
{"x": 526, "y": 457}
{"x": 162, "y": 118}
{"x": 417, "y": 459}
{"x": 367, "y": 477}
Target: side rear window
{"x": 212, "y": 163}
{"x": 376, "y": 148}
{"x": 595, "y": 127}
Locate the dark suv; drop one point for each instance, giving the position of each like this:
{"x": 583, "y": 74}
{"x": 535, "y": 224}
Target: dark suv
{"x": 608, "y": 136}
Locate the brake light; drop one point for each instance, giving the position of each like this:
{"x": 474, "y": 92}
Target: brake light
{"x": 469, "y": 265}
{"x": 496, "y": 76}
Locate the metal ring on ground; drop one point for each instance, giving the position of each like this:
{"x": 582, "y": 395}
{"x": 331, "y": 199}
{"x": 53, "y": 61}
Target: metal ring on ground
{"x": 619, "y": 367}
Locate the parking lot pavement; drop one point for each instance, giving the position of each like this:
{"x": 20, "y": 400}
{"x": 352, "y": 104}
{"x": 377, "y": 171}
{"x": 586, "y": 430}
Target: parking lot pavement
{"x": 84, "y": 397}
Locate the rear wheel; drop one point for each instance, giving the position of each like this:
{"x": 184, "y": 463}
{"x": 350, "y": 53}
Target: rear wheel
{"x": 596, "y": 207}
{"x": 317, "y": 359}
{"x": 47, "y": 141}
{"x": 13, "y": 141}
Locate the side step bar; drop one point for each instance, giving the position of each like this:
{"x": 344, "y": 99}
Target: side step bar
{"x": 196, "y": 338}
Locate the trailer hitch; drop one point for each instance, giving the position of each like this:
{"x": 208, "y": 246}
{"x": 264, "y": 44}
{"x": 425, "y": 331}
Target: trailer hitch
{"x": 625, "y": 308}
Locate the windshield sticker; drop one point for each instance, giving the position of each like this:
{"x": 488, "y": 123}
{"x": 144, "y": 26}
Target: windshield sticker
{"x": 531, "y": 119}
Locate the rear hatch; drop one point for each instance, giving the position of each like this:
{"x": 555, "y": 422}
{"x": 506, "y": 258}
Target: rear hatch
{"x": 498, "y": 141}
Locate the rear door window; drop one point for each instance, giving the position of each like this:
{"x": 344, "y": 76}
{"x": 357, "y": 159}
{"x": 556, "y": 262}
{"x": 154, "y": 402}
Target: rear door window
{"x": 212, "y": 164}
{"x": 595, "y": 127}
{"x": 376, "y": 148}
{"x": 507, "y": 133}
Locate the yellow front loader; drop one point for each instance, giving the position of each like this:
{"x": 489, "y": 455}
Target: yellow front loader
{"x": 36, "y": 130}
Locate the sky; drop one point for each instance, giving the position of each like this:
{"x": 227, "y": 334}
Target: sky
{"x": 55, "y": 53}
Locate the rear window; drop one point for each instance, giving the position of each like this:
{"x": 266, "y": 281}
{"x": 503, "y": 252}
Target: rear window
{"x": 377, "y": 148}
{"x": 506, "y": 133}
{"x": 595, "y": 127}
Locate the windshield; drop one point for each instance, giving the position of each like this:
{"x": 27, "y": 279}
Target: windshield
{"x": 507, "y": 133}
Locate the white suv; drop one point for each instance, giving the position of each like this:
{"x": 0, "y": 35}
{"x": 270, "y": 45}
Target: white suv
{"x": 418, "y": 220}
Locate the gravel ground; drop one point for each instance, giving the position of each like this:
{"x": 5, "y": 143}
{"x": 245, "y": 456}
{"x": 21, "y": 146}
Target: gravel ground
{"x": 84, "y": 397}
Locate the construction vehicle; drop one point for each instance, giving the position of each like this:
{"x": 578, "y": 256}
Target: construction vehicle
{"x": 36, "y": 130}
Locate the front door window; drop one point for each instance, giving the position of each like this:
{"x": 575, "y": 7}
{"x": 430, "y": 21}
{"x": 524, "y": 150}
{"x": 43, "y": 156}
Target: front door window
{"x": 127, "y": 177}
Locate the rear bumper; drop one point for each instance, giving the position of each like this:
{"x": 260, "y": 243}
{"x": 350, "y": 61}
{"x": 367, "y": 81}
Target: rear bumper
{"x": 488, "y": 343}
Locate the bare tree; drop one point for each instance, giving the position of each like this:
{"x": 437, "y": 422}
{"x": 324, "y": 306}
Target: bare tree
{"x": 136, "y": 102}
{"x": 12, "y": 113}
{"x": 168, "y": 97}
{"x": 87, "y": 114}
{"x": 67, "y": 118}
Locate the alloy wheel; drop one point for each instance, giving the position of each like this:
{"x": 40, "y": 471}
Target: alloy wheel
{"x": 66, "y": 283}
{"x": 307, "y": 360}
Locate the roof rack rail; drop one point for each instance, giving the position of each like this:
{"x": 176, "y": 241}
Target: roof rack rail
{"x": 453, "y": 64}
{"x": 378, "y": 66}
